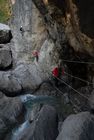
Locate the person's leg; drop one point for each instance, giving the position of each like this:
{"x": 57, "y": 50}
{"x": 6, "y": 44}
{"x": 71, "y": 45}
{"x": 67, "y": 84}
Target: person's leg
{"x": 56, "y": 82}
{"x": 37, "y": 58}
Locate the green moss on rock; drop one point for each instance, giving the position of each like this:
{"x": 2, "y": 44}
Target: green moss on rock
{"x": 5, "y": 10}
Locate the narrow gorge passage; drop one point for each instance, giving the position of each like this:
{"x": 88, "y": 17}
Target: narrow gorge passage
{"x": 33, "y": 105}
{"x": 50, "y": 85}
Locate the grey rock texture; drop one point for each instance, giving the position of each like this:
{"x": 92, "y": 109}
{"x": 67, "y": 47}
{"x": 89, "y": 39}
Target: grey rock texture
{"x": 10, "y": 107}
{"x": 47, "y": 123}
{"x": 10, "y": 111}
{"x": 22, "y": 42}
{"x": 34, "y": 112}
{"x": 44, "y": 127}
{"x": 78, "y": 127}
{"x": 39, "y": 32}
{"x": 27, "y": 73}
{"x": 5, "y": 57}
{"x": 47, "y": 89}
{"x": 5, "y": 34}
{"x": 49, "y": 57}
{"x": 24, "y": 77}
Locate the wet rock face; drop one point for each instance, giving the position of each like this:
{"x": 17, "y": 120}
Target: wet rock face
{"x": 47, "y": 122}
{"x": 5, "y": 57}
{"x": 44, "y": 127}
{"x": 10, "y": 110}
{"x": 78, "y": 127}
{"x": 5, "y": 34}
{"x": 3, "y": 128}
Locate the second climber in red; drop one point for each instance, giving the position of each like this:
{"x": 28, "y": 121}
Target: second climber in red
{"x": 36, "y": 54}
{"x": 57, "y": 72}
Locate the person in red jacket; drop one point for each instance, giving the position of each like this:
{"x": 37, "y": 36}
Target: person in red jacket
{"x": 57, "y": 72}
{"x": 36, "y": 54}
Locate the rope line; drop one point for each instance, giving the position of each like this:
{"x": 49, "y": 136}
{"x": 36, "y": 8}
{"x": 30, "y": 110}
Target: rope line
{"x": 56, "y": 88}
{"x": 80, "y": 62}
{"x": 72, "y": 88}
{"x": 73, "y": 104}
{"x": 78, "y": 78}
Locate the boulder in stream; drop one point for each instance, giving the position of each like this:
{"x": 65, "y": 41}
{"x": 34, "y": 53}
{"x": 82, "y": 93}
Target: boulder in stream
{"x": 43, "y": 127}
{"x": 78, "y": 127}
{"x": 11, "y": 110}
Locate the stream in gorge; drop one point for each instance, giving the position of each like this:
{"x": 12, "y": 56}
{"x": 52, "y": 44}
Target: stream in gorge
{"x": 33, "y": 103}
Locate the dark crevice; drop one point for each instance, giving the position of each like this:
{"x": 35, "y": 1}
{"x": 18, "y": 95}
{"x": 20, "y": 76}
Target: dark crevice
{"x": 6, "y": 39}
{"x": 86, "y": 16}
{"x": 79, "y": 70}
{"x": 59, "y": 3}
{"x": 7, "y": 68}
{"x": 10, "y": 66}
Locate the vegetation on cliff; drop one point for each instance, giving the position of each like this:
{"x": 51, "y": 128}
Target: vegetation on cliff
{"x": 5, "y": 10}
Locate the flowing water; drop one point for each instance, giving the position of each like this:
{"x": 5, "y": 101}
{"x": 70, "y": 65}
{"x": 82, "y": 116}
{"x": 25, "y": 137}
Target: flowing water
{"x": 32, "y": 102}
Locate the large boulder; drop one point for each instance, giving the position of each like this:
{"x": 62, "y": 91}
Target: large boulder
{"x": 9, "y": 84}
{"x": 5, "y": 34}
{"x": 10, "y": 111}
{"x": 46, "y": 88}
{"x": 78, "y": 127}
{"x": 23, "y": 77}
{"x": 44, "y": 127}
{"x": 10, "y": 108}
{"x": 5, "y": 57}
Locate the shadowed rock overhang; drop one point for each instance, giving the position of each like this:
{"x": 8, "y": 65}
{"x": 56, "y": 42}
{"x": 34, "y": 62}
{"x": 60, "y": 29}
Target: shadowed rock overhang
{"x": 77, "y": 18}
